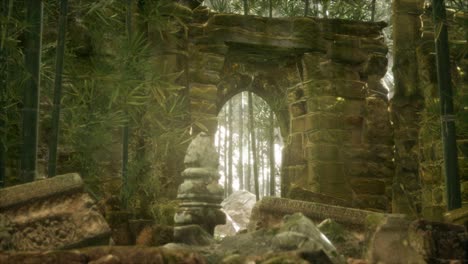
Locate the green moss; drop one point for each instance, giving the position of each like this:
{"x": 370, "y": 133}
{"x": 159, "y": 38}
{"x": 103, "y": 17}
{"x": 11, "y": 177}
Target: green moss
{"x": 163, "y": 211}
{"x": 374, "y": 220}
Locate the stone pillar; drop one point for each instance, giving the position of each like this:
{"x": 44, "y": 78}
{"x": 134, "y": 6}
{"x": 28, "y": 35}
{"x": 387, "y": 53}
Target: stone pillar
{"x": 200, "y": 194}
{"x": 405, "y": 105}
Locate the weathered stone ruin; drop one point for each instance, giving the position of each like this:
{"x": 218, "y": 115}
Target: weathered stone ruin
{"x": 322, "y": 79}
{"x": 200, "y": 194}
{"x": 351, "y": 156}
{"x": 387, "y": 238}
{"x": 419, "y": 182}
{"x": 48, "y": 214}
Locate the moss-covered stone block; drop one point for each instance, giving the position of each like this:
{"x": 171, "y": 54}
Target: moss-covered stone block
{"x": 350, "y": 88}
{"x": 438, "y": 195}
{"x": 333, "y": 70}
{"x": 464, "y": 191}
{"x": 294, "y": 153}
{"x": 335, "y": 104}
{"x": 355, "y": 152}
{"x": 368, "y": 201}
{"x": 298, "y": 124}
{"x": 319, "y": 121}
{"x": 426, "y": 195}
{"x": 431, "y": 173}
{"x": 336, "y": 189}
{"x": 311, "y": 65}
{"x": 327, "y": 172}
{"x": 207, "y": 92}
{"x": 368, "y": 186}
{"x": 352, "y": 122}
{"x": 463, "y": 168}
{"x": 202, "y": 106}
{"x": 297, "y": 175}
{"x": 323, "y": 103}
{"x": 376, "y": 65}
{"x": 298, "y": 108}
{"x": 352, "y": 107}
{"x": 313, "y": 88}
{"x": 368, "y": 169}
{"x": 334, "y": 136}
{"x": 433, "y": 213}
{"x": 204, "y": 76}
{"x": 323, "y": 152}
{"x": 346, "y": 52}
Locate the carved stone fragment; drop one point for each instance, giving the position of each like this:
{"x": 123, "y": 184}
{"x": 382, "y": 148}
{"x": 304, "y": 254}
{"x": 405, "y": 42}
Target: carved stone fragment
{"x": 53, "y": 213}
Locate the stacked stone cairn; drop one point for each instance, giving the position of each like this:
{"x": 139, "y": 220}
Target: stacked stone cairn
{"x": 200, "y": 194}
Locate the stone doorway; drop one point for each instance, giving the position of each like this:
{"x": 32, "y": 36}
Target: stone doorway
{"x": 322, "y": 78}
{"x": 234, "y": 130}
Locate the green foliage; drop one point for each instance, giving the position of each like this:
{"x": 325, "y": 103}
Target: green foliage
{"x": 344, "y": 9}
{"x": 108, "y": 81}
{"x": 114, "y": 88}
{"x": 163, "y": 211}
{"x": 12, "y": 28}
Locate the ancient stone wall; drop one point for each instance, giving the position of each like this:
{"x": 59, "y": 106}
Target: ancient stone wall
{"x": 406, "y": 105}
{"x": 431, "y": 165}
{"x": 322, "y": 79}
{"x": 419, "y": 184}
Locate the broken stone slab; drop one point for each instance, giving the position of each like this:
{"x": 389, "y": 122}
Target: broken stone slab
{"x": 296, "y": 234}
{"x": 53, "y": 213}
{"x": 299, "y": 232}
{"x": 270, "y": 210}
{"x": 437, "y": 240}
{"x": 105, "y": 254}
{"x": 390, "y": 238}
{"x": 348, "y": 243}
{"x": 397, "y": 239}
{"x": 237, "y": 207}
{"x": 457, "y": 216}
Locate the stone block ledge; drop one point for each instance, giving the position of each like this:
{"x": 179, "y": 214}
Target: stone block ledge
{"x": 17, "y": 195}
{"x": 271, "y": 209}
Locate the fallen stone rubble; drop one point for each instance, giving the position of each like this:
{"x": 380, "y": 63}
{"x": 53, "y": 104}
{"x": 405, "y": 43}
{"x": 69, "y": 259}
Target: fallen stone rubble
{"x": 279, "y": 231}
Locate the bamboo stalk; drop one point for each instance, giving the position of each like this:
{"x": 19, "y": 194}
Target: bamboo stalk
{"x": 126, "y": 129}
{"x": 229, "y": 190}
{"x": 60, "y": 51}
{"x": 30, "y": 111}
{"x": 271, "y": 140}
{"x": 307, "y": 7}
{"x": 452, "y": 178}
{"x": 5, "y": 12}
{"x": 241, "y": 146}
{"x": 254, "y": 147}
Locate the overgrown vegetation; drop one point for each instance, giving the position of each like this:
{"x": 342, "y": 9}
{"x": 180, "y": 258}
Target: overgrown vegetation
{"x": 109, "y": 80}
{"x": 354, "y": 10}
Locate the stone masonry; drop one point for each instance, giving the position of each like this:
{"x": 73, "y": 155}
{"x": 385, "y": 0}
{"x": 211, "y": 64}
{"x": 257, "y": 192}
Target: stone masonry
{"x": 321, "y": 77}
{"x": 431, "y": 165}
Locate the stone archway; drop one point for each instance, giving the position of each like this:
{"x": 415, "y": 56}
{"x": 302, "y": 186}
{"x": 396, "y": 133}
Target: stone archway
{"x": 321, "y": 77}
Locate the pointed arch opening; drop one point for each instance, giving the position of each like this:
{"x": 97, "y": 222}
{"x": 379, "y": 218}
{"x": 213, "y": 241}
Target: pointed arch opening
{"x": 246, "y": 156}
